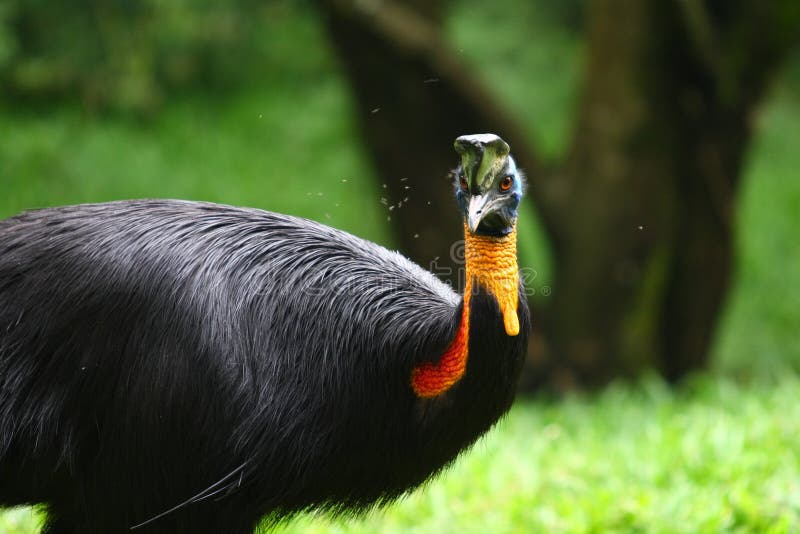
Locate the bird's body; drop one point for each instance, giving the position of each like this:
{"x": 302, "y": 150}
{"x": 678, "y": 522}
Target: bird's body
{"x": 192, "y": 367}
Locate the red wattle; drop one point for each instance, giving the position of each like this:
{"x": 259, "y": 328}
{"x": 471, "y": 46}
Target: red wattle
{"x": 432, "y": 379}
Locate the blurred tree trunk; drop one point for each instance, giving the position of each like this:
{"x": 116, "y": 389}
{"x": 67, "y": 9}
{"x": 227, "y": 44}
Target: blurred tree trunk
{"x": 639, "y": 214}
{"x": 644, "y": 255}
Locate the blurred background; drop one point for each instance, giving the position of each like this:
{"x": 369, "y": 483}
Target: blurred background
{"x": 658, "y": 237}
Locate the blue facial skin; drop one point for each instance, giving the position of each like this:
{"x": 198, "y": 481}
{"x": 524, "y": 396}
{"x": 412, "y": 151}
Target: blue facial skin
{"x": 500, "y": 212}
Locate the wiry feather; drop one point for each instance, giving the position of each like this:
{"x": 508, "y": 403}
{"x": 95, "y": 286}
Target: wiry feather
{"x": 148, "y": 348}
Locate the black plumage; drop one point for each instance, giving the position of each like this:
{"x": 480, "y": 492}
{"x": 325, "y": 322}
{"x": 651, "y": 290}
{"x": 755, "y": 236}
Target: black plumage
{"x": 222, "y": 364}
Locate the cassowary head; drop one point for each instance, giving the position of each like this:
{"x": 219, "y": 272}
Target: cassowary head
{"x": 488, "y": 184}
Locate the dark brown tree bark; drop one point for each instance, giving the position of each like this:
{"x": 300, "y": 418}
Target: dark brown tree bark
{"x": 639, "y": 214}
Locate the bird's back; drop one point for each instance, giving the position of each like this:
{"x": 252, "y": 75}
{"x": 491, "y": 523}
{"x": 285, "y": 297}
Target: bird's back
{"x": 222, "y": 340}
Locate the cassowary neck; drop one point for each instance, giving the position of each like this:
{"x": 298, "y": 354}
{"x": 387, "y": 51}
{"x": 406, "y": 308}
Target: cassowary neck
{"x": 491, "y": 263}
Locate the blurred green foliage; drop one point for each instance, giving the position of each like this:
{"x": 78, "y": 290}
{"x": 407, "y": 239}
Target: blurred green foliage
{"x": 532, "y": 61}
{"x": 759, "y": 326}
{"x": 285, "y": 144}
{"x": 126, "y": 54}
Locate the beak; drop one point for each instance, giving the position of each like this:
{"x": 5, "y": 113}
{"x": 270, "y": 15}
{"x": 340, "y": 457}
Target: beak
{"x": 477, "y": 210}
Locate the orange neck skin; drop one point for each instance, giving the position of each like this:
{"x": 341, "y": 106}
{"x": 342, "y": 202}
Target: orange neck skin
{"x": 491, "y": 263}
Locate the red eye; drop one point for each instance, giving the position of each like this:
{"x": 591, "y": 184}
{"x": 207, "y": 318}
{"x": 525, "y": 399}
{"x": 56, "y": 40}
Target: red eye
{"x": 463, "y": 182}
{"x": 506, "y": 183}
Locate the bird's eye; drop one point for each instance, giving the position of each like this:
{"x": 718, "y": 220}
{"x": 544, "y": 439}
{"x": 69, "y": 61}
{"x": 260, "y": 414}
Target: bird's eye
{"x": 506, "y": 183}
{"x": 463, "y": 183}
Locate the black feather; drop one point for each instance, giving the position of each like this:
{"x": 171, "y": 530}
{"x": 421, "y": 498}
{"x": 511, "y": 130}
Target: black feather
{"x": 223, "y": 364}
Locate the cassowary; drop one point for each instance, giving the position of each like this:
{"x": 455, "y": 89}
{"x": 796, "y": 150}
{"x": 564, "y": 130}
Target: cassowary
{"x": 175, "y": 366}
